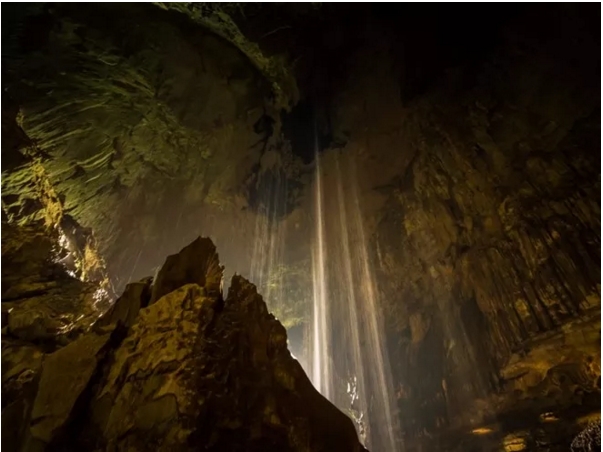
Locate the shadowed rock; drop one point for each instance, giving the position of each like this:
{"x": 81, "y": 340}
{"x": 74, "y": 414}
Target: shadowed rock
{"x": 21, "y": 367}
{"x": 65, "y": 376}
{"x": 196, "y": 263}
{"x": 125, "y": 309}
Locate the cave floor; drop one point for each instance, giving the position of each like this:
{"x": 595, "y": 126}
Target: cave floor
{"x": 548, "y": 432}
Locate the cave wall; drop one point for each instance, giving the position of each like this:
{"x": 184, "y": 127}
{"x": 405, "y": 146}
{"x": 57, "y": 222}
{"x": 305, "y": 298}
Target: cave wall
{"x": 481, "y": 193}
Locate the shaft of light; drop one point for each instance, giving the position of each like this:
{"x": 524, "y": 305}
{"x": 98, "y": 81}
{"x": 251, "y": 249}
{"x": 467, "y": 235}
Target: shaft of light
{"x": 347, "y": 340}
{"x": 321, "y": 347}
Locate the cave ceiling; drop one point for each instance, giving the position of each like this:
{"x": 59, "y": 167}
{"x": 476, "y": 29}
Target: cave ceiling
{"x": 148, "y": 124}
{"x": 125, "y": 112}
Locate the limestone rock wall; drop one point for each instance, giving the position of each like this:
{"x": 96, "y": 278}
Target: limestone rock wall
{"x": 44, "y": 308}
{"x": 482, "y": 195}
{"x": 41, "y": 301}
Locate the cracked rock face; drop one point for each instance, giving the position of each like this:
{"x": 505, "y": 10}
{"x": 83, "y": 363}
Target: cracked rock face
{"x": 191, "y": 370}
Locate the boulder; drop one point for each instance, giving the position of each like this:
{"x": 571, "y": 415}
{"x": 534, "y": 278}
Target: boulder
{"x": 150, "y": 399}
{"x": 196, "y": 370}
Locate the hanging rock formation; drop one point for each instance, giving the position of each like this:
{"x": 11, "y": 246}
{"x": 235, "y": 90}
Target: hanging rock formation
{"x": 188, "y": 371}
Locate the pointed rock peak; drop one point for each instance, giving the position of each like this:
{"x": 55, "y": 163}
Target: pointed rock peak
{"x": 197, "y": 263}
{"x": 243, "y": 297}
{"x": 239, "y": 286}
{"x": 125, "y": 309}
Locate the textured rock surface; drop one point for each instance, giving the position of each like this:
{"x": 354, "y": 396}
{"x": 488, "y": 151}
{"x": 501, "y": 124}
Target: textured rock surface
{"x": 589, "y": 438}
{"x": 125, "y": 309}
{"x": 41, "y": 301}
{"x": 194, "y": 372}
{"x": 481, "y": 195}
{"x": 189, "y": 371}
{"x": 21, "y": 366}
{"x": 187, "y": 267}
{"x": 66, "y": 374}
{"x": 44, "y": 308}
{"x": 216, "y": 18}
{"x": 163, "y": 115}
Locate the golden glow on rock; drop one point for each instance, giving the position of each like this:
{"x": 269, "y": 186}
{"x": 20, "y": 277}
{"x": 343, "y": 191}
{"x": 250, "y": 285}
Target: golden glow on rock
{"x": 591, "y": 417}
{"x": 548, "y": 417}
{"x": 482, "y": 431}
{"x": 514, "y": 443}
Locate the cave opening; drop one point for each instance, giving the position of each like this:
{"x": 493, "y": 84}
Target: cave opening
{"x": 247, "y": 226}
{"x": 299, "y": 126}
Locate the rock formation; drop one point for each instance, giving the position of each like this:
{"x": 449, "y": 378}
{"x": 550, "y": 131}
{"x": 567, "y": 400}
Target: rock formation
{"x": 188, "y": 371}
{"x": 41, "y": 302}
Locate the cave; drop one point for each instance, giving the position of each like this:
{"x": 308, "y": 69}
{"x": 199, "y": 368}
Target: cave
{"x": 301, "y": 227}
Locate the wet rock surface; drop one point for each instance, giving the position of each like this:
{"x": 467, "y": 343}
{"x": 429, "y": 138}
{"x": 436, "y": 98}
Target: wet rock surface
{"x": 41, "y": 302}
{"x": 191, "y": 370}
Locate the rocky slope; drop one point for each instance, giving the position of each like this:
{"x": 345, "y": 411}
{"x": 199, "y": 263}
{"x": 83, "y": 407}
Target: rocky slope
{"x": 171, "y": 366}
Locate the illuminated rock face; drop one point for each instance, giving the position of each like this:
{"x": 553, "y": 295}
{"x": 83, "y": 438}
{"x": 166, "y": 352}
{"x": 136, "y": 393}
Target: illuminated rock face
{"x": 191, "y": 370}
{"x": 41, "y": 302}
